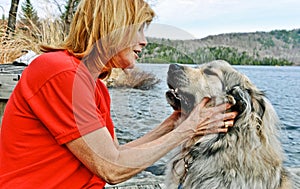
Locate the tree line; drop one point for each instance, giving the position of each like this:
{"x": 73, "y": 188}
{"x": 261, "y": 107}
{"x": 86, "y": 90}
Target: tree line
{"x": 160, "y": 53}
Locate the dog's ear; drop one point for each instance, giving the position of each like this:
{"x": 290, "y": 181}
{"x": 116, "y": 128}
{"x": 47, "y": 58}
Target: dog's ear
{"x": 247, "y": 99}
{"x": 241, "y": 97}
{"x": 258, "y": 103}
{"x": 246, "y": 95}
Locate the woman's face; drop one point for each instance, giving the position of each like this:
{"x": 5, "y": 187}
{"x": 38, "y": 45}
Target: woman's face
{"x": 127, "y": 58}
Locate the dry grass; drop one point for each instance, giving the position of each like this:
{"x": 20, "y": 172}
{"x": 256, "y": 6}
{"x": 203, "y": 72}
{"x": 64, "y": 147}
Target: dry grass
{"x": 135, "y": 78}
{"x": 28, "y": 37}
{"x": 11, "y": 46}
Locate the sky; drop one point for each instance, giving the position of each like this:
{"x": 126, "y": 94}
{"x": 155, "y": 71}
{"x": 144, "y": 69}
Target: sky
{"x": 191, "y": 19}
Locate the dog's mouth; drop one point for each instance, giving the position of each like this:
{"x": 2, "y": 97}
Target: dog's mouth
{"x": 180, "y": 100}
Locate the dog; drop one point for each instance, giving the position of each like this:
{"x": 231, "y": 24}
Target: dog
{"x": 248, "y": 156}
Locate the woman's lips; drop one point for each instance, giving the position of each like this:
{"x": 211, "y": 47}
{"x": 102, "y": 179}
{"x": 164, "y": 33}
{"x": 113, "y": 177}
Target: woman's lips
{"x": 136, "y": 53}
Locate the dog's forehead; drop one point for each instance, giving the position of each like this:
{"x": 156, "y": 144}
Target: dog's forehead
{"x": 211, "y": 65}
{"x": 210, "y": 69}
{"x": 216, "y": 67}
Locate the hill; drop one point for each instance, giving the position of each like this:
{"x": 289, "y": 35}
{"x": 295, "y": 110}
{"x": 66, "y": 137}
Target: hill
{"x": 278, "y": 47}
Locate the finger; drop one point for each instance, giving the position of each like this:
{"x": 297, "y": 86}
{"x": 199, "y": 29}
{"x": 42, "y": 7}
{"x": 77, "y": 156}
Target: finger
{"x": 230, "y": 115}
{"x": 228, "y": 123}
{"x": 215, "y": 125}
{"x": 221, "y": 117}
{"x": 204, "y": 101}
{"x": 211, "y": 131}
{"x": 222, "y": 107}
{"x": 176, "y": 113}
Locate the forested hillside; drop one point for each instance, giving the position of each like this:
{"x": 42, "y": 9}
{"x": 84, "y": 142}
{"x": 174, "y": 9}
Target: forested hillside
{"x": 278, "y": 47}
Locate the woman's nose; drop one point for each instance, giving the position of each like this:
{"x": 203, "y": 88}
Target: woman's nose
{"x": 143, "y": 41}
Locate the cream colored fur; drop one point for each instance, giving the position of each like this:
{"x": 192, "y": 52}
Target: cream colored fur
{"x": 249, "y": 156}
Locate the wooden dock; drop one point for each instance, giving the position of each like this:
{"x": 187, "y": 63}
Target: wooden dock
{"x": 9, "y": 76}
{"x": 138, "y": 186}
{"x": 149, "y": 182}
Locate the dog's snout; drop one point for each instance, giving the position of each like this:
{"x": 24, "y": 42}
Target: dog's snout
{"x": 176, "y": 76}
{"x": 174, "y": 67}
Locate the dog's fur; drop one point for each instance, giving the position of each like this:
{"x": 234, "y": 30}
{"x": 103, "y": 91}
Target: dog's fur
{"x": 248, "y": 156}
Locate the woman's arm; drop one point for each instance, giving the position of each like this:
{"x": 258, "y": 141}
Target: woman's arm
{"x": 103, "y": 157}
{"x": 160, "y": 130}
{"x": 100, "y": 154}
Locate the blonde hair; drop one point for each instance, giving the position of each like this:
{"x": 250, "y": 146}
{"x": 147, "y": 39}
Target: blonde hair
{"x": 101, "y": 28}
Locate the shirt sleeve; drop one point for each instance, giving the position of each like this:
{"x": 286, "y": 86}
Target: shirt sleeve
{"x": 65, "y": 104}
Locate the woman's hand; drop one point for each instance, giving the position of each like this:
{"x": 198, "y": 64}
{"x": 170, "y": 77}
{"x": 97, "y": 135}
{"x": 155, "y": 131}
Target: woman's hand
{"x": 175, "y": 116}
{"x": 207, "y": 120}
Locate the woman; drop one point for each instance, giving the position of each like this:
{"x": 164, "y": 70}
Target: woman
{"x": 57, "y": 131}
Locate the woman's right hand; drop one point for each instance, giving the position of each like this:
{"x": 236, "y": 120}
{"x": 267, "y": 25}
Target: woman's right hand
{"x": 207, "y": 120}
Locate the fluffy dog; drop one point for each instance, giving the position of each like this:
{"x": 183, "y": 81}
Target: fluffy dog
{"x": 248, "y": 156}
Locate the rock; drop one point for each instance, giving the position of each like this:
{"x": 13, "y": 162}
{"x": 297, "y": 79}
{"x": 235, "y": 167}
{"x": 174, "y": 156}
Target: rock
{"x": 158, "y": 169}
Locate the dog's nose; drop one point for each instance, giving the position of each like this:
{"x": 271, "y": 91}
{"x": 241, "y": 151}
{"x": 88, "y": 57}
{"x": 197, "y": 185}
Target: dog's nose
{"x": 174, "y": 67}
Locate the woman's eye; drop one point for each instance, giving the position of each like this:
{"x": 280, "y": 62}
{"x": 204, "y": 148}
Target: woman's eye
{"x": 142, "y": 27}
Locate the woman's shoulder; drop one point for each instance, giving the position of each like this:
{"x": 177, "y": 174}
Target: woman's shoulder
{"x": 48, "y": 69}
{"x": 48, "y": 66}
{"x": 55, "y": 60}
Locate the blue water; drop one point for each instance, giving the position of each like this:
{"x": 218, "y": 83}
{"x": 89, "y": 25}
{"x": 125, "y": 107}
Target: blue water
{"x": 135, "y": 112}
{"x": 282, "y": 87}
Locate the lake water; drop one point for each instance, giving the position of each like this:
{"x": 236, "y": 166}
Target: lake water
{"x": 135, "y": 112}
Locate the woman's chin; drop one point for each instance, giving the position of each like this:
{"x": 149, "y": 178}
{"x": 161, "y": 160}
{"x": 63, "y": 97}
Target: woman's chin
{"x": 130, "y": 66}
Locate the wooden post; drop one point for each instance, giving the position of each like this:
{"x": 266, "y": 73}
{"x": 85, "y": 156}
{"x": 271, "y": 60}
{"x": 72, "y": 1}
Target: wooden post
{"x": 2, "y": 107}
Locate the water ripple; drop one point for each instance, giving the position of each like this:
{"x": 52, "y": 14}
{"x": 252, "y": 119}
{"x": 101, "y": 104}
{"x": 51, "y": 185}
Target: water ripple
{"x": 135, "y": 112}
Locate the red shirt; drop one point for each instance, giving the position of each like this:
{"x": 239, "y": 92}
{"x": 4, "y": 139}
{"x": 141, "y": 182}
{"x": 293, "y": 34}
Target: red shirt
{"x": 55, "y": 102}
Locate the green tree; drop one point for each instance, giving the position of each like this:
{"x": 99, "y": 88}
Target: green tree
{"x": 29, "y": 14}
{"x": 67, "y": 16}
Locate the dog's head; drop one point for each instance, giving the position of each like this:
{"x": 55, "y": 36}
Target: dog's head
{"x": 253, "y": 138}
{"x": 217, "y": 80}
